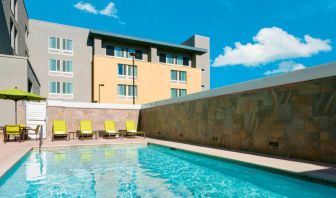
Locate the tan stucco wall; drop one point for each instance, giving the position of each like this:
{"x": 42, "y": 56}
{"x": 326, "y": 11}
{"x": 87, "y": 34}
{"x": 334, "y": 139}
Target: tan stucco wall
{"x": 153, "y": 80}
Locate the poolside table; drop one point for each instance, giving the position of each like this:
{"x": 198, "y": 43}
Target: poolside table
{"x": 74, "y": 133}
{"x": 122, "y": 133}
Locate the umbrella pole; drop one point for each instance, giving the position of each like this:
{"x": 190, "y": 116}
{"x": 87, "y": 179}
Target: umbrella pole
{"x": 15, "y": 112}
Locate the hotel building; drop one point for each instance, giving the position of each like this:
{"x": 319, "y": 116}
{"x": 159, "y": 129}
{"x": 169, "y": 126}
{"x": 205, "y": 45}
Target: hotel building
{"x": 83, "y": 65}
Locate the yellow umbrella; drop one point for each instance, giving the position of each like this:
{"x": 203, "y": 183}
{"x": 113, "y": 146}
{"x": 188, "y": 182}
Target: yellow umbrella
{"x": 17, "y": 95}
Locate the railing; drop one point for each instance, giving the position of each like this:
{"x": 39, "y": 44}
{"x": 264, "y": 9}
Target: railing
{"x": 41, "y": 138}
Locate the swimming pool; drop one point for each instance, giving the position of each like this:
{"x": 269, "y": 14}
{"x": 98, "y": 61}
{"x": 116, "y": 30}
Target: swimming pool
{"x": 144, "y": 171}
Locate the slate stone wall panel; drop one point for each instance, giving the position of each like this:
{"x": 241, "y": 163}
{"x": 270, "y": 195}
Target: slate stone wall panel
{"x": 296, "y": 120}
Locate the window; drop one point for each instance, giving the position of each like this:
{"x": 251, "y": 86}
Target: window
{"x": 179, "y": 60}
{"x": 126, "y": 91}
{"x": 67, "y": 68}
{"x": 54, "y": 67}
{"x": 177, "y": 92}
{"x": 121, "y": 70}
{"x": 186, "y": 61}
{"x": 138, "y": 54}
{"x": 170, "y": 59}
{"x": 16, "y": 47}
{"x": 178, "y": 76}
{"x": 109, "y": 50}
{"x": 67, "y": 46}
{"x": 162, "y": 58}
{"x": 173, "y": 75}
{"x": 130, "y": 71}
{"x": 12, "y": 34}
{"x": 127, "y": 70}
{"x": 173, "y": 93}
{"x": 183, "y": 76}
{"x": 67, "y": 88}
{"x": 54, "y": 88}
{"x": 26, "y": 32}
{"x": 118, "y": 52}
{"x": 130, "y": 91}
{"x": 54, "y": 45}
{"x": 121, "y": 90}
{"x": 30, "y": 86}
{"x": 129, "y": 51}
{"x": 183, "y": 92}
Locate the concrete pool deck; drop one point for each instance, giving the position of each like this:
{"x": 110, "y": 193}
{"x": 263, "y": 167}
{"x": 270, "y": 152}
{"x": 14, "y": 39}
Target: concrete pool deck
{"x": 323, "y": 173}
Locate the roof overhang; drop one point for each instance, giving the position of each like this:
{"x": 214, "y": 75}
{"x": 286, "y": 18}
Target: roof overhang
{"x": 147, "y": 42}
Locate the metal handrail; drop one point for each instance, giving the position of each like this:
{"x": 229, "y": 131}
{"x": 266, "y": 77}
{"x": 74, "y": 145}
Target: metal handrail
{"x": 41, "y": 137}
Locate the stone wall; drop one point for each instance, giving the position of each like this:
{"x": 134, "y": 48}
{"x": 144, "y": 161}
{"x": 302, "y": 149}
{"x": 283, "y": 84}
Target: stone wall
{"x": 295, "y": 120}
{"x": 74, "y": 115}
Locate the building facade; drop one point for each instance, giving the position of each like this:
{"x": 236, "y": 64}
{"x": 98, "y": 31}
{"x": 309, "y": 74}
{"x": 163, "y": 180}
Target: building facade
{"x": 83, "y": 65}
{"x": 61, "y": 56}
{"x": 162, "y": 70}
{"x": 15, "y": 67}
{"x": 13, "y": 28}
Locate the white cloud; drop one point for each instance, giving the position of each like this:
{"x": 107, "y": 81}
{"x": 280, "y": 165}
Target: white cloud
{"x": 86, "y": 7}
{"x": 285, "y": 66}
{"x": 110, "y": 10}
{"x": 271, "y": 44}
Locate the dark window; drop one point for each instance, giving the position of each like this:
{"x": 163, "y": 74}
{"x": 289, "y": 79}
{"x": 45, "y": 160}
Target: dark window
{"x": 109, "y": 50}
{"x": 186, "y": 61}
{"x": 30, "y": 86}
{"x": 163, "y": 58}
{"x": 138, "y": 54}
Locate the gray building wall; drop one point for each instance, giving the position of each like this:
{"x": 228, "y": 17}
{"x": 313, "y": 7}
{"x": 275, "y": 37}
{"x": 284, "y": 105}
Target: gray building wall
{"x": 38, "y": 43}
{"x": 201, "y": 61}
{"x": 15, "y": 71}
{"x": 20, "y": 23}
{"x": 15, "y": 68}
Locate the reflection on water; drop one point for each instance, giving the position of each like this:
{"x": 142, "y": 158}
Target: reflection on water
{"x": 141, "y": 171}
{"x": 36, "y": 167}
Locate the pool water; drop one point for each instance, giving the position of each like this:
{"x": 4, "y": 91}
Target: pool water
{"x": 144, "y": 171}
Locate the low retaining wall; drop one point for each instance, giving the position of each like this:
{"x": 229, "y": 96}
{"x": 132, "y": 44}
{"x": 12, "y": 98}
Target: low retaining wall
{"x": 291, "y": 115}
{"x": 74, "y": 112}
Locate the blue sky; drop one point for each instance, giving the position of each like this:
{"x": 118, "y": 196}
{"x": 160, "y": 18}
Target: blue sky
{"x": 260, "y": 37}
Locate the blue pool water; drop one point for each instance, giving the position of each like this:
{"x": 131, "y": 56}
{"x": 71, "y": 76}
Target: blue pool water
{"x": 145, "y": 171}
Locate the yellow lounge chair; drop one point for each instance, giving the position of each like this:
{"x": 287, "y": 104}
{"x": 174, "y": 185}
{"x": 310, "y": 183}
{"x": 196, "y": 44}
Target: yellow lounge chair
{"x": 12, "y": 130}
{"x": 86, "y": 129}
{"x": 110, "y": 128}
{"x": 131, "y": 129}
{"x": 59, "y": 129}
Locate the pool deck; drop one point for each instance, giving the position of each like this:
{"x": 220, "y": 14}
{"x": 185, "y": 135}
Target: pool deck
{"x": 11, "y": 152}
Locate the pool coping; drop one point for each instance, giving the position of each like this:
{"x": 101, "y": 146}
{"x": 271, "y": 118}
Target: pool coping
{"x": 215, "y": 153}
{"x": 13, "y": 162}
{"x": 299, "y": 175}
{"x": 87, "y": 145}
